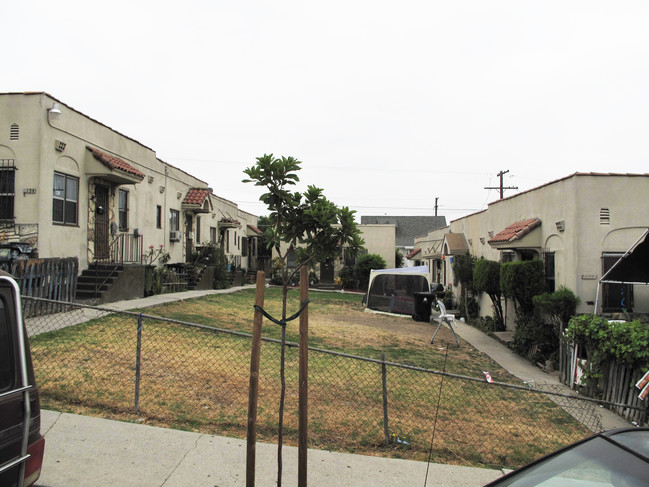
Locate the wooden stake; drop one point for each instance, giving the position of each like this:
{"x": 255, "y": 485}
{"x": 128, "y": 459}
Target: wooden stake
{"x": 253, "y": 388}
{"x": 304, "y": 380}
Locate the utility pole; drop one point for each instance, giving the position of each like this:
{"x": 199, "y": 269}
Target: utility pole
{"x": 501, "y": 188}
{"x": 436, "y": 198}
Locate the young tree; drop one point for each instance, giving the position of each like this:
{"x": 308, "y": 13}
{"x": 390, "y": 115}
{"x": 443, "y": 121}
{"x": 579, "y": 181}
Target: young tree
{"x": 306, "y": 223}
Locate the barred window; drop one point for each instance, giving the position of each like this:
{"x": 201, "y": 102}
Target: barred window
{"x": 65, "y": 205}
{"x": 7, "y": 189}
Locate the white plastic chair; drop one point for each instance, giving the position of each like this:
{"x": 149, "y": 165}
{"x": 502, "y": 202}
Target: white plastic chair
{"x": 447, "y": 318}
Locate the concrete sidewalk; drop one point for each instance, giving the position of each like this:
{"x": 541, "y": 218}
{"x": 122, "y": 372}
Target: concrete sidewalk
{"x": 83, "y": 451}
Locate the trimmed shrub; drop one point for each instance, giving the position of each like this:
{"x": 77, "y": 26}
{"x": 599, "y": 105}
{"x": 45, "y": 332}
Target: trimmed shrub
{"x": 486, "y": 279}
{"x": 521, "y": 281}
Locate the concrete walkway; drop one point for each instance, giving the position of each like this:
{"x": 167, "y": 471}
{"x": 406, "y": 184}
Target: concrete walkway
{"x": 84, "y": 451}
{"x": 88, "y": 451}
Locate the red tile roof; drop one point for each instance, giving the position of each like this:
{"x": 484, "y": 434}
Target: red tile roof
{"x": 516, "y": 231}
{"x": 196, "y": 196}
{"x": 255, "y": 229}
{"x": 413, "y": 253}
{"x": 114, "y": 163}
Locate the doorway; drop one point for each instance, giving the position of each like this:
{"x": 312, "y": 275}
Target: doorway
{"x": 102, "y": 223}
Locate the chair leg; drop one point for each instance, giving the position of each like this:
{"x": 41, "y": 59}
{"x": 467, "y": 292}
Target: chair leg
{"x": 450, "y": 325}
{"x": 436, "y": 330}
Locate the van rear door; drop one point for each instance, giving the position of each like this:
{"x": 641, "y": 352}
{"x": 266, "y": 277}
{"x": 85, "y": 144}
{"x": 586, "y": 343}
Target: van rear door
{"x": 19, "y": 406}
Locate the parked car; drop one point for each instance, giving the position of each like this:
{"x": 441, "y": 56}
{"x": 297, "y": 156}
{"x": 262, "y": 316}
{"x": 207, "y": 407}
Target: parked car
{"x": 617, "y": 458}
{"x": 21, "y": 443}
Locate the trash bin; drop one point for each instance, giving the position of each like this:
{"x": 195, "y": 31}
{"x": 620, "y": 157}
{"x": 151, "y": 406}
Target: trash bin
{"x": 423, "y": 303}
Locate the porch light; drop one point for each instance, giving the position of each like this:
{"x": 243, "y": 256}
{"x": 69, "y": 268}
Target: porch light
{"x": 55, "y": 111}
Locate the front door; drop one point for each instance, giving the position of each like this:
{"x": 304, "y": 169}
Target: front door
{"x": 102, "y": 223}
{"x": 327, "y": 271}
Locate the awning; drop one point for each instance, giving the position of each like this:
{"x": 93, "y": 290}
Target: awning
{"x": 413, "y": 253}
{"x": 197, "y": 200}
{"x": 633, "y": 266}
{"x": 432, "y": 249}
{"x": 229, "y": 223}
{"x": 523, "y": 234}
{"x": 455, "y": 244}
{"x": 112, "y": 168}
{"x": 253, "y": 231}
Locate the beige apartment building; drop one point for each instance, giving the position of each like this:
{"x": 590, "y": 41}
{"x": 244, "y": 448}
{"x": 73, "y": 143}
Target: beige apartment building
{"x": 72, "y": 187}
{"x": 578, "y": 225}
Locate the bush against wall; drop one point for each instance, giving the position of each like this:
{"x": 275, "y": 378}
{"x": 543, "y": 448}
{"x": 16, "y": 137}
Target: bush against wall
{"x": 553, "y": 312}
{"x": 486, "y": 279}
{"x": 463, "y": 272}
{"x": 221, "y": 274}
{"x": 357, "y": 276}
{"x": 521, "y": 281}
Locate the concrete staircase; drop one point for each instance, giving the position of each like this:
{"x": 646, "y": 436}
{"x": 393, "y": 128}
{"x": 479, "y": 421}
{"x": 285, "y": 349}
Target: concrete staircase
{"x": 96, "y": 281}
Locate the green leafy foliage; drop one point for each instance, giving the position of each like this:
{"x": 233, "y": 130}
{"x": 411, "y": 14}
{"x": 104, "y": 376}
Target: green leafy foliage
{"x": 463, "y": 271}
{"x": 537, "y": 336}
{"x": 521, "y": 281}
{"x": 463, "y": 267}
{"x": 398, "y": 259}
{"x": 532, "y": 339}
{"x": 486, "y": 279}
{"x": 556, "y": 308}
{"x": 625, "y": 342}
{"x": 357, "y": 276}
{"x": 312, "y": 226}
{"x": 220, "y": 262}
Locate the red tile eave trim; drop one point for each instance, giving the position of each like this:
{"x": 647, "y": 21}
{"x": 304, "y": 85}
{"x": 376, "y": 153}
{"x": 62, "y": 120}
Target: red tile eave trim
{"x": 196, "y": 196}
{"x": 114, "y": 163}
{"x": 255, "y": 229}
{"x": 413, "y": 253}
{"x": 515, "y": 231}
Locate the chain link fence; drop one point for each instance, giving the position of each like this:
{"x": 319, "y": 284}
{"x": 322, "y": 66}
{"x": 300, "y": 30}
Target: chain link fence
{"x": 196, "y": 377}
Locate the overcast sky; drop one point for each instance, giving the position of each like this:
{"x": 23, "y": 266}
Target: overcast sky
{"x": 388, "y": 104}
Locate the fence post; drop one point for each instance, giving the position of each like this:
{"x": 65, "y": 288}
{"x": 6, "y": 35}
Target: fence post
{"x": 138, "y": 354}
{"x": 386, "y": 429}
{"x": 253, "y": 388}
{"x": 304, "y": 380}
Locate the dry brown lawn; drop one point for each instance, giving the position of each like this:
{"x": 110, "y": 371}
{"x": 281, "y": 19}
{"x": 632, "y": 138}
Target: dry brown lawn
{"x": 198, "y": 380}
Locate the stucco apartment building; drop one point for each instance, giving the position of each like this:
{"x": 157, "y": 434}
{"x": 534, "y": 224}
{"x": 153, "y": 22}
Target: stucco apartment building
{"x": 73, "y": 187}
{"x": 578, "y": 225}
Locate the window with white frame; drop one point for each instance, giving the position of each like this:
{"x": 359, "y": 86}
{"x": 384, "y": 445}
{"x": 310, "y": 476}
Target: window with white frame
{"x": 174, "y": 220}
{"x": 65, "y": 204}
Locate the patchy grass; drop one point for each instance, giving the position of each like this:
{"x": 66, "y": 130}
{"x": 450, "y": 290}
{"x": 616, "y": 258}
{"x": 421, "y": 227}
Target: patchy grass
{"x": 197, "y": 380}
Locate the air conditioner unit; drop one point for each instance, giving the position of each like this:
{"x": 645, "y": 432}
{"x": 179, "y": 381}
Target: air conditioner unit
{"x": 175, "y": 236}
